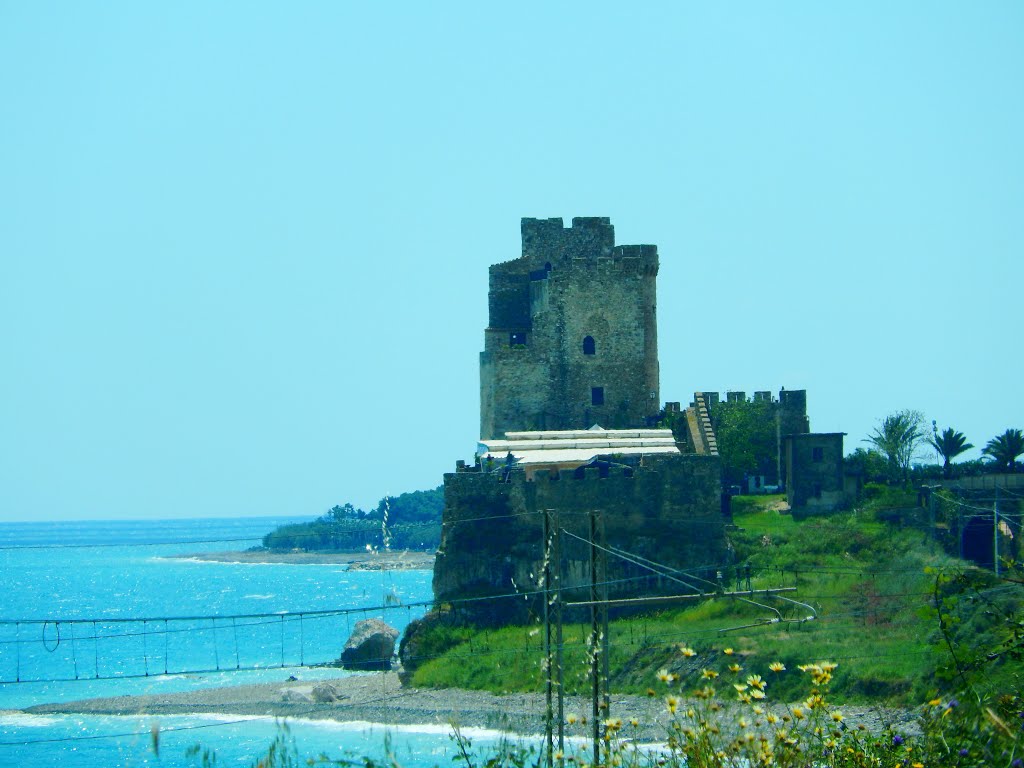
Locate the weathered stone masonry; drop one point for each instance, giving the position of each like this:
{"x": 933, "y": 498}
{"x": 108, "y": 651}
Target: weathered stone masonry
{"x": 572, "y": 335}
{"x": 665, "y": 509}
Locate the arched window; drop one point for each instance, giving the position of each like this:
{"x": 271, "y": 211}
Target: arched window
{"x": 589, "y": 347}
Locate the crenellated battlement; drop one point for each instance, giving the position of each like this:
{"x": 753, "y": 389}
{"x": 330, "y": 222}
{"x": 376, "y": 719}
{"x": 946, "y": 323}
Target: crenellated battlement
{"x": 547, "y": 241}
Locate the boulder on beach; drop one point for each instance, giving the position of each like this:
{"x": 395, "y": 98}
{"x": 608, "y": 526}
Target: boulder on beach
{"x": 325, "y": 693}
{"x": 291, "y": 696}
{"x": 370, "y": 647}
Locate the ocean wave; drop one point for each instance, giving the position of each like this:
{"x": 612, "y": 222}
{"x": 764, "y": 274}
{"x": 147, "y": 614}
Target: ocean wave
{"x": 25, "y": 720}
{"x": 424, "y": 729}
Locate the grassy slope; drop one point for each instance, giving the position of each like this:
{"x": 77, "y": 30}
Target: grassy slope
{"x": 866, "y": 581}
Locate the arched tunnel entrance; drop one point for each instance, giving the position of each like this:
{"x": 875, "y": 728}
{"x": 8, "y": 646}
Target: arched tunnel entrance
{"x": 976, "y": 541}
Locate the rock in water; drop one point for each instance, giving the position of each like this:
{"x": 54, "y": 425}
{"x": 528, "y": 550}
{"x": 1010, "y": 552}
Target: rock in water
{"x": 371, "y": 646}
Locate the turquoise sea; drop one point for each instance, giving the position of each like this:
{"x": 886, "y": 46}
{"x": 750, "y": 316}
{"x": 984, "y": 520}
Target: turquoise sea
{"x": 104, "y": 608}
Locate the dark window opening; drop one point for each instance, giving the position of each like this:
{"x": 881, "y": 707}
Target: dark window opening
{"x": 818, "y": 454}
{"x": 517, "y": 339}
{"x": 589, "y": 347}
{"x": 976, "y": 541}
{"x": 597, "y": 395}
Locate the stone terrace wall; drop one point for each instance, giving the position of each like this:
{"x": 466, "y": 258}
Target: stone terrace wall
{"x": 668, "y": 510}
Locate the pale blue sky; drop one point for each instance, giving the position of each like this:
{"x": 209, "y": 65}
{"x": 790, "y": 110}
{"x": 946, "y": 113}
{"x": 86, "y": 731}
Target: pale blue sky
{"x": 244, "y": 246}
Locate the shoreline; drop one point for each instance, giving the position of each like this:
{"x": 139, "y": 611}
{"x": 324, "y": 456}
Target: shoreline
{"x": 380, "y": 698}
{"x": 406, "y": 560}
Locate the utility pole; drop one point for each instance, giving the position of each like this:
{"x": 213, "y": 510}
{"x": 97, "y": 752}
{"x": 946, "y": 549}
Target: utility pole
{"x": 931, "y": 509}
{"x": 546, "y": 613}
{"x": 995, "y": 532}
{"x": 595, "y": 649}
{"x": 553, "y": 599}
{"x": 556, "y": 553}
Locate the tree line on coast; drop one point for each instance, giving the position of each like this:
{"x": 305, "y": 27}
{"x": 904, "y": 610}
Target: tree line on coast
{"x": 408, "y": 521}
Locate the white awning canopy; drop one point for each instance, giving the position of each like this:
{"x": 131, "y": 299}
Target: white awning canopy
{"x": 573, "y": 448}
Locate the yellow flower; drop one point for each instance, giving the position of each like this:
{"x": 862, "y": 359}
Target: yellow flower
{"x": 634, "y": 722}
{"x": 837, "y": 716}
{"x": 756, "y": 693}
{"x": 777, "y": 666}
{"x": 771, "y": 718}
{"x": 672, "y": 703}
{"x": 728, "y": 651}
{"x": 710, "y": 674}
{"x": 665, "y": 676}
{"x": 687, "y": 652}
{"x": 571, "y": 719}
{"x": 814, "y": 701}
{"x": 739, "y": 687}
{"x": 735, "y": 668}
{"x": 798, "y": 713}
{"x": 935, "y": 703}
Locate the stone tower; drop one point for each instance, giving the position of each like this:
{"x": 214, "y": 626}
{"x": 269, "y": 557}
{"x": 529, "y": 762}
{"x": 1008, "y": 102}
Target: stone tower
{"x": 572, "y": 337}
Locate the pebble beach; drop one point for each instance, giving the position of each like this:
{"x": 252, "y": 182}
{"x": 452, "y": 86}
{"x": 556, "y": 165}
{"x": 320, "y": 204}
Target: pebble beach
{"x": 381, "y": 698}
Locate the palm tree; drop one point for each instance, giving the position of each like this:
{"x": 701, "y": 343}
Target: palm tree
{"x": 1004, "y": 449}
{"x": 949, "y": 445}
{"x": 897, "y": 438}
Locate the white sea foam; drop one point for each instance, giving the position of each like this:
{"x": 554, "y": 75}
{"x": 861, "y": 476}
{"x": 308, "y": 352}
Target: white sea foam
{"x": 25, "y": 720}
{"x": 425, "y": 729}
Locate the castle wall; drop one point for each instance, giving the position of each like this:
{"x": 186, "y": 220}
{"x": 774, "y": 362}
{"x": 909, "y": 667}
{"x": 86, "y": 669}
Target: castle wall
{"x": 784, "y": 416}
{"x": 667, "y": 510}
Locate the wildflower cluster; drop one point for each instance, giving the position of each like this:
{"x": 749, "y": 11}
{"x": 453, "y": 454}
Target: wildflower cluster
{"x": 749, "y": 732}
{"x": 728, "y": 721}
